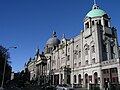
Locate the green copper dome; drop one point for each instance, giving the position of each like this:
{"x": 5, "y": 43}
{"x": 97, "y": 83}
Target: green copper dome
{"x": 96, "y": 11}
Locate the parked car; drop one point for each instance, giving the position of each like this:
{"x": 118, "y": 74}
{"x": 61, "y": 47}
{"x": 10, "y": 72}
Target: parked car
{"x": 64, "y": 87}
{"x": 50, "y": 87}
{"x": 47, "y": 86}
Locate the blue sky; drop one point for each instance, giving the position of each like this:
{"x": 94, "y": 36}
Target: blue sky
{"x": 28, "y": 24}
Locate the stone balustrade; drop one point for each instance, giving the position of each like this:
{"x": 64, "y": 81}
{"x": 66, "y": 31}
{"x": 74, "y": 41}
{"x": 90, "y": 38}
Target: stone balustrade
{"x": 110, "y": 62}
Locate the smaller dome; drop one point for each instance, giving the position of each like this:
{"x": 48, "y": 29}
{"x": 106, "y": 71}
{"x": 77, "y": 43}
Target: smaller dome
{"x": 53, "y": 40}
{"x": 96, "y": 11}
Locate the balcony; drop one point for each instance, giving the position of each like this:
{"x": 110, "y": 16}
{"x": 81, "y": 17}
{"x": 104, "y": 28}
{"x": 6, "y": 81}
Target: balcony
{"x": 110, "y": 62}
{"x": 108, "y": 31}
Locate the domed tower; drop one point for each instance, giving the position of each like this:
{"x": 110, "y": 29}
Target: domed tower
{"x": 51, "y": 44}
{"x": 100, "y": 42}
{"x": 96, "y": 15}
{"x": 99, "y": 33}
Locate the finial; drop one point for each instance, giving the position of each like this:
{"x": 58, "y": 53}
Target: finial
{"x": 54, "y": 34}
{"x": 95, "y": 6}
{"x": 37, "y": 51}
{"x": 30, "y": 59}
{"x": 63, "y": 36}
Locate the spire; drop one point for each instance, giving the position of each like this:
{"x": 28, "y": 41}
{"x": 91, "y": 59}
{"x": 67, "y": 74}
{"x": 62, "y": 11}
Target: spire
{"x": 25, "y": 64}
{"x": 94, "y": 2}
{"x": 37, "y": 51}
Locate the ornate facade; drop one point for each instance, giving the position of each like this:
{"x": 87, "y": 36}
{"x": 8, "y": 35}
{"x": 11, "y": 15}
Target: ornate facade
{"x": 90, "y": 57}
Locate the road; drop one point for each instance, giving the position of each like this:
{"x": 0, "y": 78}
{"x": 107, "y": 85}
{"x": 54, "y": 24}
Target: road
{"x": 31, "y": 87}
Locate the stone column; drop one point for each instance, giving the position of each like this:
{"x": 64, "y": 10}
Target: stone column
{"x": 60, "y": 77}
{"x": 101, "y": 80}
{"x": 65, "y": 75}
{"x": 53, "y": 77}
{"x": 83, "y": 78}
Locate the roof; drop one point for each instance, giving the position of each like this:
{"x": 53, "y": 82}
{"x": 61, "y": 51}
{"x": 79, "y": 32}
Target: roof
{"x": 95, "y": 12}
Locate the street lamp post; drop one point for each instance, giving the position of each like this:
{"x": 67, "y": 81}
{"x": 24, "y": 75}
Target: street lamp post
{"x": 1, "y": 88}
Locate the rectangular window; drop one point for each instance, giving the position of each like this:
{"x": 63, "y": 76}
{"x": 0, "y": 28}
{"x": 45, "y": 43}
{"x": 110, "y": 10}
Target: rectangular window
{"x": 68, "y": 66}
{"x": 92, "y": 22}
{"x": 93, "y": 49}
{"x": 106, "y": 23}
{"x": 68, "y": 49}
{"x": 86, "y": 51}
{"x": 68, "y": 57}
{"x": 79, "y": 54}
{"x": 99, "y": 22}
{"x": 79, "y": 63}
{"x": 75, "y": 56}
{"x": 75, "y": 64}
{"x": 87, "y": 25}
{"x": 107, "y": 71}
{"x": 113, "y": 79}
{"x": 93, "y": 60}
{"x": 86, "y": 62}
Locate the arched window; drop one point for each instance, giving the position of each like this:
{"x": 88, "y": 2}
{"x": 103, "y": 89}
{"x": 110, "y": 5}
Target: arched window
{"x": 95, "y": 77}
{"x": 75, "y": 79}
{"x": 79, "y": 78}
{"x": 86, "y": 80}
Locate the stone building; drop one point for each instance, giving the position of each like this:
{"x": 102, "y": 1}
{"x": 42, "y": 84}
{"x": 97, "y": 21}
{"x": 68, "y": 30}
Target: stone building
{"x": 90, "y": 57}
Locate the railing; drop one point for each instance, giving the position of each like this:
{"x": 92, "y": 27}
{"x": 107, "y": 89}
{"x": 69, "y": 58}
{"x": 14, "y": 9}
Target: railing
{"x": 77, "y": 85}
